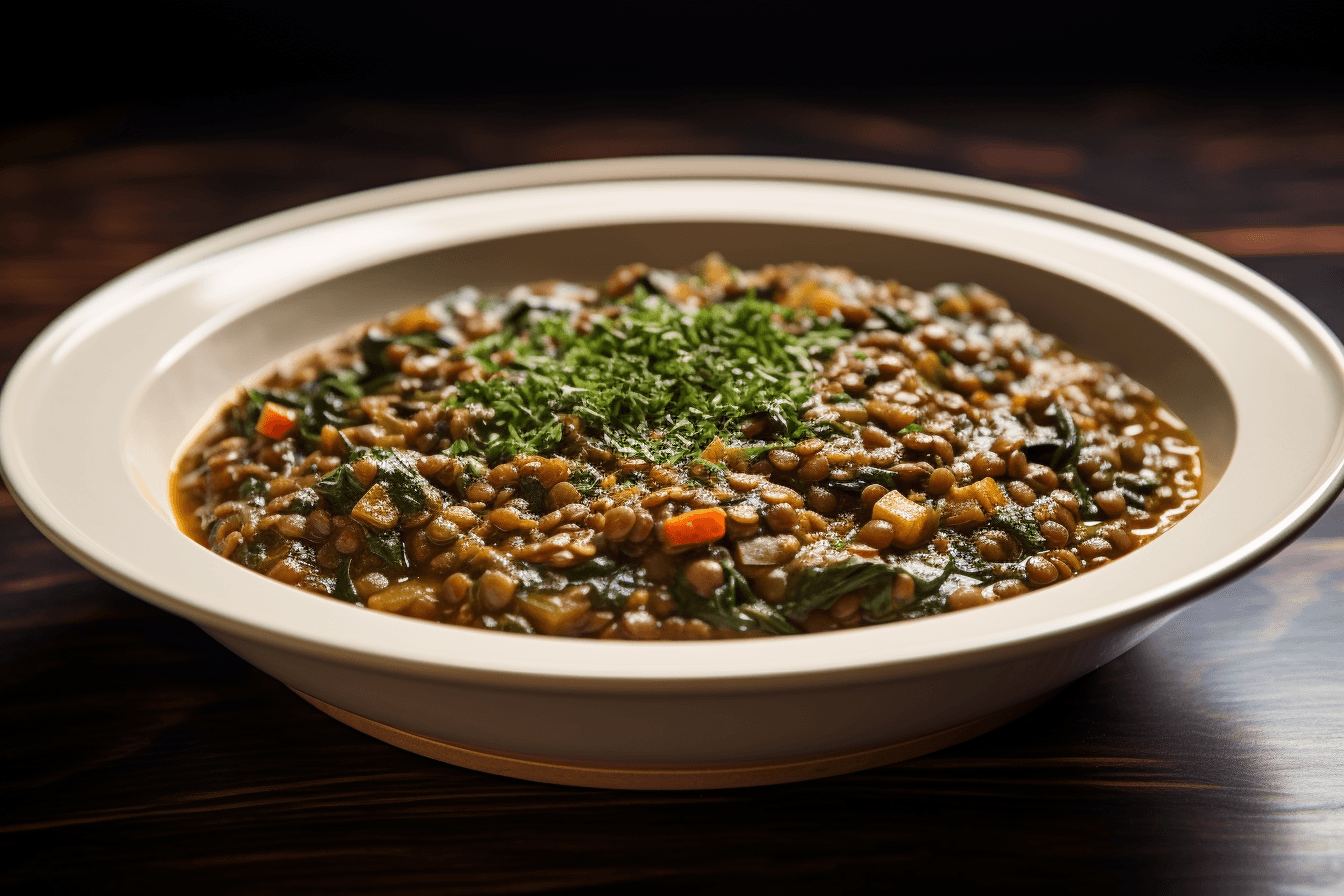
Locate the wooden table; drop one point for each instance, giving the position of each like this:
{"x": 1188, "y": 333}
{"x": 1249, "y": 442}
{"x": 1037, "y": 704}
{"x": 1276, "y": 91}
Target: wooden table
{"x": 140, "y": 755}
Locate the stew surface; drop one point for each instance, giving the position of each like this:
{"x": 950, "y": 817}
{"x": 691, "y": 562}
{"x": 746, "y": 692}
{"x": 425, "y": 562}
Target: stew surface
{"x": 709, "y": 453}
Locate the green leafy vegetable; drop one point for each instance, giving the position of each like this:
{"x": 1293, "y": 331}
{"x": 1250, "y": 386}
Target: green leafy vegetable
{"x": 330, "y": 400}
{"x": 1018, "y": 522}
{"x": 585, "y": 480}
{"x": 303, "y": 501}
{"x": 1144, "y": 482}
{"x": 406, "y": 488}
{"x": 342, "y": 489}
{"x": 732, "y": 605}
{"x": 1066, "y": 455}
{"x": 928, "y": 578}
{"x": 768, "y": 618}
{"x": 864, "y": 477}
{"x": 1087, "y": 508}
{"x": 387, "y": 546}
{"x": 404, "y": 484}
{"x": 256, "y": 553}
{"x": 1065, "y": 460}
{"x": 757, "y": 450}
{"x": 1138, "y": 502}
{"x": 895, "y": 318}
{"x": 817, "y": 587}
{"x": 658, "y": 382}
{"x": 610, "y": 582}
{"x": 375, "y": 343}
{"x": 533, "y": 492}
{"x": 345, "y": 585}
{"x": 512, "y": 622}
{"x": 876, "y": 476}
{"x": 251, "y": 487}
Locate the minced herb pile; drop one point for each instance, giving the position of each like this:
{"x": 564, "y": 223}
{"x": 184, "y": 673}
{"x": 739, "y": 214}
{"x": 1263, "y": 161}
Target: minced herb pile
{"x": 655, "y": 381}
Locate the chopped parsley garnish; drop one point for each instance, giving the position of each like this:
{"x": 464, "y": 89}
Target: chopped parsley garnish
{"x": 658, "y": 382}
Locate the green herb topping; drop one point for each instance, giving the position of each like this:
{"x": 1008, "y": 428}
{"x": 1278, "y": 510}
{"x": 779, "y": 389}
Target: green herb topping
{"x": 657, "y": 382}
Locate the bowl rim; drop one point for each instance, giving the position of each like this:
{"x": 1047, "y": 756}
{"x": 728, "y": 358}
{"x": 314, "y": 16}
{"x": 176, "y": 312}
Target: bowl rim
{"x": 34, "y": 502}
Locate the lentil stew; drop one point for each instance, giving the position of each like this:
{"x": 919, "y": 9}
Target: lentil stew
{"x": 707, "y": 453}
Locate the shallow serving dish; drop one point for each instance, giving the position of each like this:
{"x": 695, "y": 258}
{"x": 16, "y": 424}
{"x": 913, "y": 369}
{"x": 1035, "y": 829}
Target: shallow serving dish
{"x": 96, "y": 410}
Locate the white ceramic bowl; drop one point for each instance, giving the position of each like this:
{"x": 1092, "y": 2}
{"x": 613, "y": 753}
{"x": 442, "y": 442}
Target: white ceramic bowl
{"x": 95, "y": 411}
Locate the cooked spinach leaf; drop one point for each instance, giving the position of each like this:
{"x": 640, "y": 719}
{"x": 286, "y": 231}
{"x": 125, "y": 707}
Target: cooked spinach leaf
{"x": 512, "y": 622}
{"x": 404, "y": 484}
{"x": 531, "y": 490}
{"x": 864, "y": 477}
{"x": 303, "y": 501}
{"x": 1087, "y": 508}
{"x": 610, "y": 582}
{"x": 331, "y": 400}
{"x": 1018, "y": 522}
{"x": 928, "y": 577}
{"x": 894, "y": 318}
{"x": 374, "y": 344}
{"x": 757, "y": 450}
{"x": 585, "y": 480}
{"x": 732, "y": 605}
{"x": 345, "y": 585}
{"x": 817, "y": 587}
{"x": 768, "y": 618}
{"x": 342, "y": 489}
{"x": 1138, "y": 502}
{"x": 1145, "y": 482}
{"x": 257, "y": 552}
{"x": 1070, "y": 444}
{"x": 250, "y": 488}
{"x": 387, "y": 546}
{"x": 1065, "y": 460}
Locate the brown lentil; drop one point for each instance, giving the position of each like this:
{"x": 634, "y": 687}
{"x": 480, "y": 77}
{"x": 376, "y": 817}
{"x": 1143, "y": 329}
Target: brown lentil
{"x": 781, "y": 518}
{"x": 876, "y": 533}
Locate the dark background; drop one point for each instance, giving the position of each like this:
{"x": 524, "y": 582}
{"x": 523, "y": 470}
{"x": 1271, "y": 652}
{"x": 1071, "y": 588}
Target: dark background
{"x": 209, "y": 67}
{"x": 139, "y": 755}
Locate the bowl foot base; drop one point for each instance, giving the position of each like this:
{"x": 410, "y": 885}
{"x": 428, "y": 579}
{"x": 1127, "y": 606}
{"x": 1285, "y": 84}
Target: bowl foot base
{"x": 689, "y": 776}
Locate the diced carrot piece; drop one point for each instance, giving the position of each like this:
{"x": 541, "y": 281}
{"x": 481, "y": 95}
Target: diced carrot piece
{"x": 276, "y": 420}
{"x": 695, "y": 526}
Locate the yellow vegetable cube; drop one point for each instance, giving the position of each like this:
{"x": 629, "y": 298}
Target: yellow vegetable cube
{"x": 376, "y": 508}
{"x": 913, "y": 523}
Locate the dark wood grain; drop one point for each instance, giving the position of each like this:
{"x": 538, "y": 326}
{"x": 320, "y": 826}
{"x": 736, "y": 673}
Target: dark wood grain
{"x": 140, "y": 755}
